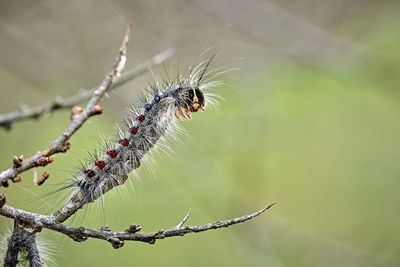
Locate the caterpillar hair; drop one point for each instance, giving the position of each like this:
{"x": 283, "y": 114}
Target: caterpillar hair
{"x": 156, "y": 117}
{"x": 24, "y": 247}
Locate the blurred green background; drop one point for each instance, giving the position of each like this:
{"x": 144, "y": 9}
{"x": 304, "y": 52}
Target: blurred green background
{"x": 311, "y": 121}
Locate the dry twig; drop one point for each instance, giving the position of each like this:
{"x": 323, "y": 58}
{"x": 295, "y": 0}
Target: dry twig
{"x": 61, "y": 144}
{"x": 79, "y": 234}
{"x": 25, "y": 112}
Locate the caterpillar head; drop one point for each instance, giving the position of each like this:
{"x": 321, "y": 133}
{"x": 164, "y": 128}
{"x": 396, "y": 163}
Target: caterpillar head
{"x": 193, "y": 98}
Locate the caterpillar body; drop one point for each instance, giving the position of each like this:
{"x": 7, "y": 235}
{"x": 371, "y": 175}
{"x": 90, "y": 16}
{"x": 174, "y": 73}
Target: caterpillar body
{"x": 160, "y": 109}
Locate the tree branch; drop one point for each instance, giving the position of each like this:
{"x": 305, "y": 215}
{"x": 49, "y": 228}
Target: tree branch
{"x": 79, "y": 116}
{"x": 79, "y": 234}
{"x": 24, "y": 112}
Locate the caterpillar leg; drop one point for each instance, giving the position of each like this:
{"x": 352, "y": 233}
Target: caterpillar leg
{"x": 176, "y": 116}
{"x": 187, "y": 113}
{"x": 181, "y": 113}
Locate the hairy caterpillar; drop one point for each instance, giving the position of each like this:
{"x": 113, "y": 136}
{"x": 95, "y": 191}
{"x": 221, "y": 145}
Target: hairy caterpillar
{"x": 24, "y": 247}
{"x": 156, "y": 117}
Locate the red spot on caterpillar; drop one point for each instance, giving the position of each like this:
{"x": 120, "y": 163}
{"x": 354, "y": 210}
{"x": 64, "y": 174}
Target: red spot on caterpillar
{"x": 141, "y": 118}
{"x": 133, "y": 130}
{"x": 112, "y": 153}
{"x": 100, "y": 164}
{"x": 89, "y": 173}
{"x": 124, "y": 142}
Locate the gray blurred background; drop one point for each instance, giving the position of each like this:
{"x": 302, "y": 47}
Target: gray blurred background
{"x": 310, "y": 121}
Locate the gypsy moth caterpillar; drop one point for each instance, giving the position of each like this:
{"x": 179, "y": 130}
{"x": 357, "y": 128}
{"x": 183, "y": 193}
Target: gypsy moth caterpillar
{"x": 154, "y": 118}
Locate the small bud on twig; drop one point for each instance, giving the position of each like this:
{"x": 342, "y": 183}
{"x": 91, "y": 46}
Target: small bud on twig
{"x": 76, "y": 112}
{"x": 65, "y": 147}
{"x": 17, "y": 161}
{"x": 43, "y": 161}
{"x": 36, "y": 115}
{"x": 105, "y": 228}
{"x": 97, "y": 110}
{"x": 17, "y": 179}
{"x": 115, "y": 242}
{"x": 45, "y": 176}
{"x": 133, "y": 228}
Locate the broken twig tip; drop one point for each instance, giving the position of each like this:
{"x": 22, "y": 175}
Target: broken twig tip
{"x": 270, "y": 205}
{"x": 183, "y": 220}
